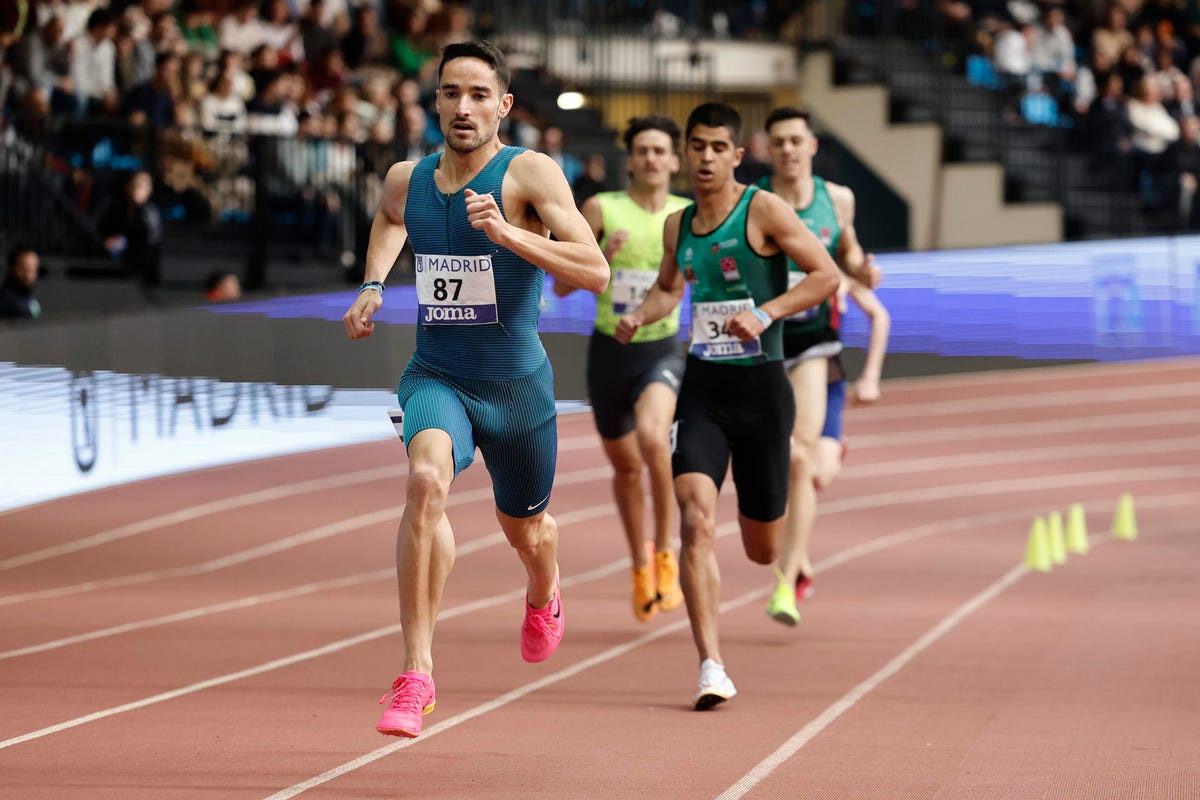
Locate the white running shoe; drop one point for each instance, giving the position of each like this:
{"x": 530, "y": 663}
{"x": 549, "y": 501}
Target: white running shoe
{"x": 715, "y": 686}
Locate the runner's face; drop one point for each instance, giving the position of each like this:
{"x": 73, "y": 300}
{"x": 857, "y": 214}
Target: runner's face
{"x": 792, "y": 146}
{"x": 711, "y": 157}
{"x": 470, "y": 104}
{"x": 652, "y": 160}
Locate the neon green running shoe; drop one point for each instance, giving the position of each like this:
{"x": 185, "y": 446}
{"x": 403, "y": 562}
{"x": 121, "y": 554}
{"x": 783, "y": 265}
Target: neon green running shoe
{"x": 782, "y": 605}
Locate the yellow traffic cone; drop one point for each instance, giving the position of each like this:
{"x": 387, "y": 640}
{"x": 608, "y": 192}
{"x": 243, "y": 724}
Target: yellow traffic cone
{"x": 1077, "y": 535}
{"x": 1054, "y": 533}
{"x": 1124, "y": 522}
{"x": 1037, "y": 551}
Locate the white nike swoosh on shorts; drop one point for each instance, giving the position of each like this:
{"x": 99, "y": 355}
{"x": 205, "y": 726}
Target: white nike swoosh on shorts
{"x": 539, "y": 502}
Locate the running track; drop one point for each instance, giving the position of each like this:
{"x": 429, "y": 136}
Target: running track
{"x": 225, "y": 633}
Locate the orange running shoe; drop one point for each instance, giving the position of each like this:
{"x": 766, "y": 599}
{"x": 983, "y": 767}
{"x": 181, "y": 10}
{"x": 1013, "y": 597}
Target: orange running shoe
{"x": 411, "y": 698}
{"x": 645, "y": 595}
{"x": 670, "y": 596}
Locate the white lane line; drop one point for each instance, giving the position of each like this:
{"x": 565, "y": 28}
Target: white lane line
{"x": 727, "y": 529}
{"x": 205, "y": 509}
{"x": 1068, "y": 397}
{"x": 277, "y": 546}
{"x": 1025, "y": 430}
{"x": 810, "y": 731}
{"x": 296, "y": 658}
{"x": 199, "y": 510}
{"x": 851, "y": 698}
{"x": 347, "y": 581}
{"x": 1120, "y": 449}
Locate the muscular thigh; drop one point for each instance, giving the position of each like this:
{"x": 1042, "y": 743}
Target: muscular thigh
{"x": 516, "y": 428}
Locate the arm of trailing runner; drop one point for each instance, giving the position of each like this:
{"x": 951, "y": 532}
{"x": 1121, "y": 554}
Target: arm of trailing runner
{"x": 850, "y": 256}
{"x": 665, "y": 294}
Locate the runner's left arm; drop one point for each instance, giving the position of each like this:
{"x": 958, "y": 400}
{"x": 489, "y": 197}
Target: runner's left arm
{"x": 850, "y": 256}
{"x": 572, "y": 255}
{"x": 780, "y": 225}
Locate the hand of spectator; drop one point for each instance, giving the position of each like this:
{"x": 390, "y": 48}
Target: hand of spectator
{"x": 1187, "y": 181}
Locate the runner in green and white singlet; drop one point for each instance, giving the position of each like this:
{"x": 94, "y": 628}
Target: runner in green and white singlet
{"x": 811, "y": 339}
{"x": 734, "y": 406}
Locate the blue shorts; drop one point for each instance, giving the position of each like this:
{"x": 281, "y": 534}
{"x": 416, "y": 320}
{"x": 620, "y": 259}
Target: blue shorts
{"x": 512, "y": 422}
{"x": 835, "y": 401}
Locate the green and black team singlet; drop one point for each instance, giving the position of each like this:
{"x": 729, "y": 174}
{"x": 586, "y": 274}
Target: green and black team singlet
{"x": 479, "y": 371}
{"x": 617, "y": 374}
{"x": 807, "y": 329}
{"x": 735, "y": 403}
{"x": 727, "y": 277}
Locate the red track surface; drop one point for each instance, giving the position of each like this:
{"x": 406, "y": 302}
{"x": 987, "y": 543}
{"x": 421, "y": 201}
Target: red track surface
{"x": 260, "y": 626}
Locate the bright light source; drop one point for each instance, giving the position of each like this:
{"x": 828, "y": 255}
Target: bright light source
{"x": 569, "y": 101}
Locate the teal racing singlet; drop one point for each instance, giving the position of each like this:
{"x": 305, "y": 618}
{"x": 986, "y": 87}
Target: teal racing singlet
{"x": 478, "y": 304}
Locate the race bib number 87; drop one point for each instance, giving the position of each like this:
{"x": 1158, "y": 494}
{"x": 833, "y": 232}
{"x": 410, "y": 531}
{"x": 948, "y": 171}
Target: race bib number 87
{"x": 455, "y": 290}
{"x": 710, "y": 339}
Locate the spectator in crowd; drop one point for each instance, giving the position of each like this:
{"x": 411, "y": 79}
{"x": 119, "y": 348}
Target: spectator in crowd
{"x": 411, "y": 52}
{"x": 1183, "y": 101}
{"x": 153, "y": 102}
{"x": 93, "y": 66}
{"x": 1054, "y": 52}
{"x": 552, "y": 145}
{"x": 1089, "y": 79}
{"x": 132, "y": 229}
{"x": 1108, "y": 122}
{"x": 270, "y": 112}
{"x": 413, "y": 134}
{"x": 16, "y": 290}
{"x": 1154, "y": 129}
{"x": 366, "y": 45}
{"x": 222, "y": 110}
{"x": 756, "y": 163}
{"x": 1182, "y": 167}
{"x": 41, "y": 59}
{"x": 241, "y": 31}
{"x": 196, "y": 28}
{"x": 1114, "y": 37}
{"x": 315, "y": 38}
{"x": 222, "y": 287}
{"x": 280, "y": 32}
{"x": 593, "y": 180}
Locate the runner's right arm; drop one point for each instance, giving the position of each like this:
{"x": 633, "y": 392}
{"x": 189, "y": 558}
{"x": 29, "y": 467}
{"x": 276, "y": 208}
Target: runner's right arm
{"x": 388, "y": 235}
{"x": 665, "y": 294}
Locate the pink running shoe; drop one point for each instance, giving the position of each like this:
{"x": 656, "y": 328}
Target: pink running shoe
{"x": 412, "y": 696}
{"x": 804, "y": 587}
{"x": 542, "y": 629}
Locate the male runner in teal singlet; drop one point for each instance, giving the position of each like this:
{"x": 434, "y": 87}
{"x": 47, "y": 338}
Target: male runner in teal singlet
{"x": 480, "y": 216}
{"x": 732, "y": 246}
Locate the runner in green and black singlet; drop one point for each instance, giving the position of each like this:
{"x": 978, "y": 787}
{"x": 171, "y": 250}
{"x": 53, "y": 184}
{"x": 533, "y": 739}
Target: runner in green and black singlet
{"x": 735, "y": 405}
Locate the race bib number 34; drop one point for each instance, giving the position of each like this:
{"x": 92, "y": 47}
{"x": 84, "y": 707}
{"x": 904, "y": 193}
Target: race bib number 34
{"x": 710, "y": 339}
{"x": 455, "y": 290}
{"x": 629, "y": 289}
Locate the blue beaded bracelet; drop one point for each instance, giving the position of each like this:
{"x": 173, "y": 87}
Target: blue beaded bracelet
{"x": 374, "y": 286}
{"x": 763, "y": 316}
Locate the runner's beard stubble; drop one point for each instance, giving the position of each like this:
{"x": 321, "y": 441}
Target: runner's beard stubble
{"x": 471, "y": 145}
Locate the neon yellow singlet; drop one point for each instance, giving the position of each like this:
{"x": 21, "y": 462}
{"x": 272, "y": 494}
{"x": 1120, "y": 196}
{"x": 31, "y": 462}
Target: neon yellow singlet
{"x": 635, "y": 266}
